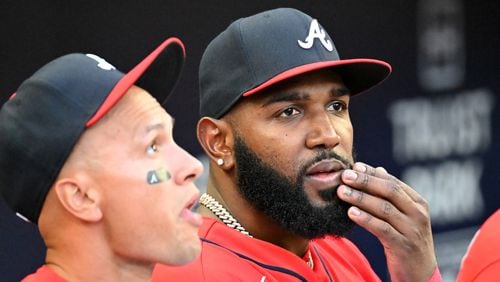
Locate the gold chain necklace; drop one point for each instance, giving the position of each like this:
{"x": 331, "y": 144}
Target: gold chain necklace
{"x": 216, "y": 208}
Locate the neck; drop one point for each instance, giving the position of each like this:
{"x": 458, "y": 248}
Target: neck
{"x": 259, "y": 225}
{"x": 89, "y": 258}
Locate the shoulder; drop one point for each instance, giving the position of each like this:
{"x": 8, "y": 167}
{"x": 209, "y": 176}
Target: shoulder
{"x": 43, "y": 274}
{"x": 482, "y": 259}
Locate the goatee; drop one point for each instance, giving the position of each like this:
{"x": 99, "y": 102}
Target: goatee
{"x": 285, "y": 201}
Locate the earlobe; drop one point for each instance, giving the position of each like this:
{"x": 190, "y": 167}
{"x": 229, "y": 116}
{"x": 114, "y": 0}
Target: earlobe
{"x": 216, "y": 139}
{"x": 81, "y": 202}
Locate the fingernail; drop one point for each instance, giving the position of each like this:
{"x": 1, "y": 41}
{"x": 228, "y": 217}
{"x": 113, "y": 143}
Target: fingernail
{"x": 359, "y": 167}
{"x": 351, "y": 175}
{"x": 347, "y": 191}
{"x": 354, "y": 211}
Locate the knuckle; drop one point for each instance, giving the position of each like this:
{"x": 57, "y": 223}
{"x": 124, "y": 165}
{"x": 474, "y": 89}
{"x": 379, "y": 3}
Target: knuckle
{"x": 368, "y": 218}
{"x": 387, "y": 208}
{"x": 394, "y": 189}
{"x": 385, "y": 228}
{"x": 423, "y": 202}
{"x": 422, "y": 217}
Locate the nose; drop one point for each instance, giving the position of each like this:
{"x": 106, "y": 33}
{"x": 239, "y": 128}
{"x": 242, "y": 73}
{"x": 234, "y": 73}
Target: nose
{"x": 322, "y": 133}
{"x": 189, "y": 168}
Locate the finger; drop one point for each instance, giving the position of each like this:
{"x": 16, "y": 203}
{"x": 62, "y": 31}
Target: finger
{"x": 381, "y": 218}
{"x": 378, "y": 187}
{"x": 384, "y": 231}
{"x": 375, "y": 206}
{"x": 392, "y": 191}
{"x": 380, "y": 172}
{"x": 377, "y": 172}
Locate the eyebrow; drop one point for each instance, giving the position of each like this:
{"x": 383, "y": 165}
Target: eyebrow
{"x": 156, "y": 126}
{"x": 298, "y": 96}
{"x": 286, "y": 97}
{"x": 338, "y": 92}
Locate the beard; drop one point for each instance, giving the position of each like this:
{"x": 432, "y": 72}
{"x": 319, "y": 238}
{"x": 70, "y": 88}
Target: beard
{"x": 285, "y": 201}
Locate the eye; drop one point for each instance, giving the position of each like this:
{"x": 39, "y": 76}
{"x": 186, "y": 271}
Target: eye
{"x": 337, "y": 106}
{"x": 288, "y": 112}
{"x": 152, "y": 148}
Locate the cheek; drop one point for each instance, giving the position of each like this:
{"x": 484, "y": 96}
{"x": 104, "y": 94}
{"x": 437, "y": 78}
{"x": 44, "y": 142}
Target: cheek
{"x": 143, "y": 223}
{"x": 126, "y": 188}
{"x": 280, "y": 151}
{"x": 154, "y": 207}
{"x": 283, "y": 157}
{"x": 346, "y": 133}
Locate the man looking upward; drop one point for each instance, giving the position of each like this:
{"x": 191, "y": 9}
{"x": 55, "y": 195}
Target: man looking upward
{"x": 87, "y": 154}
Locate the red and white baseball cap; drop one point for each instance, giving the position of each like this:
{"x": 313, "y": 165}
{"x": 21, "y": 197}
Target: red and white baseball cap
{"x": 42, "y": 122}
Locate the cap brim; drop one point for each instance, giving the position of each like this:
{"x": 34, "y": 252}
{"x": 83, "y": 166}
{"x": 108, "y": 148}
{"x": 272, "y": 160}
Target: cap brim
{"x": 157, "y": 73}
{"x": 358, "y": 75}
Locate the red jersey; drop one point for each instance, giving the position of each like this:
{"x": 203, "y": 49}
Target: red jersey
{"x": 228, "y": 255}
{"x": 43, "y": 274}
{"x": 482, "y": 260}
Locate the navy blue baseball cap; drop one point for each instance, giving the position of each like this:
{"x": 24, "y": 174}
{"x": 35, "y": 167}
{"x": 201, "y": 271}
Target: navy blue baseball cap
{"x": 258, "y": 51}
{"x": 41, "y": 123}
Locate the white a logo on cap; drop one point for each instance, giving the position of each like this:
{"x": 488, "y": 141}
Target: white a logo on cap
{"x": 101, "y": 62}
{"x": 316, "y": 32}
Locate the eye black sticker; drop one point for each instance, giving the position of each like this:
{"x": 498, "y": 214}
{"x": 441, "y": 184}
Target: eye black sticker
{"x": 158, "y": 175}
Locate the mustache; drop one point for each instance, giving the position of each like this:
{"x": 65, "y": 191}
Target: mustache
{"x": 330, "y": 194}
{"x": 325, "y": 155}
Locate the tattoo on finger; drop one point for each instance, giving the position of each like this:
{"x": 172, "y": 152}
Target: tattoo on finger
{"x": 359, "y": 197}
{"x": 365, "y": 179}
{"x": 370, "y": 170}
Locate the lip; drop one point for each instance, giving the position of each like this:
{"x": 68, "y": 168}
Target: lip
{"x": 189, "y": 214}
{"x": 324, "y": 174}
{"x": 326, "y": 166}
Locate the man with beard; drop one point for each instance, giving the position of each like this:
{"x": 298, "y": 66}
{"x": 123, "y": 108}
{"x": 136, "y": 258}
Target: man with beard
{"x": 283, "y": 187}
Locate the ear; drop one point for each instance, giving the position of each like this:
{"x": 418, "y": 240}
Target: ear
{"x": 78, "y": 199}
{"x": 216, "y": 138}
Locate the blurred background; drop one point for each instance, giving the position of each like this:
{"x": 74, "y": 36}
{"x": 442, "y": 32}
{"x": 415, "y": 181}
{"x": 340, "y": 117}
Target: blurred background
{"x": 435, "y": 123}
